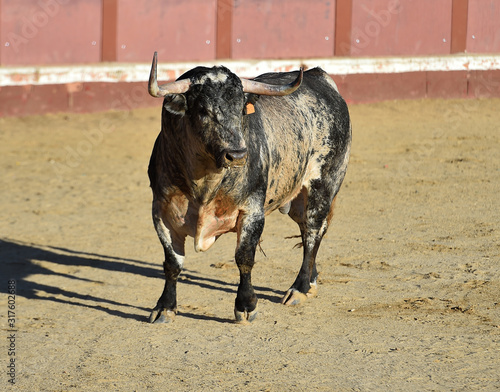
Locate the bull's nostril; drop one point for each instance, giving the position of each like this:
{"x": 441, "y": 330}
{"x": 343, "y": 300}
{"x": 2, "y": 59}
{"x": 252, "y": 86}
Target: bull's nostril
{"x": 236, "y": 155}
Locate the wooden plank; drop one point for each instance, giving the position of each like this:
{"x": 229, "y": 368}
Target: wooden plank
{"x": 343, "y": 28}
{"x": 2, "y": 42}
{"x": 459, "y": 16}
{"x": 283, "y": 29}
{"x": 178, "y": 30}
{"x": 223, "y": 41}
{"x": 109, "y": 29}
{"x": 483, "y": 32}
{"x": 50, "y": 32}
{"x": 401, "y": 27}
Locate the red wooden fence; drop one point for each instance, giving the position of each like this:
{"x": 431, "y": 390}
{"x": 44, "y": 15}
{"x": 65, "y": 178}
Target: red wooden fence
{"x": 42, "y": 32}
{"x": 45, "y": 33}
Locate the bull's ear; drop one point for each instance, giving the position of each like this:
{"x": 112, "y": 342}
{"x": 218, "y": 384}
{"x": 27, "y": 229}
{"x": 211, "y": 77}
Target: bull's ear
{"x": 251, "y": 98}
{"x": 176, "y": 104}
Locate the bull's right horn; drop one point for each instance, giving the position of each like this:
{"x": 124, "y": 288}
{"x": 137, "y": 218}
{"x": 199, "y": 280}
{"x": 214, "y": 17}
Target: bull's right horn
{"x": 178, "y": 87}
{"x": 252, "y": 86}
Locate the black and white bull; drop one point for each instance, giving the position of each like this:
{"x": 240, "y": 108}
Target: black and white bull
{"x": 216, "y": 167}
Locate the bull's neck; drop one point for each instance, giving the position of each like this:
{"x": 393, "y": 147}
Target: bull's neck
{"x": 188, "y": 164}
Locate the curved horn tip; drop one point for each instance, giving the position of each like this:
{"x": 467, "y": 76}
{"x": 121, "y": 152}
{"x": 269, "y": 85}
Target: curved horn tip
{"x": 153, "y": 83}
{"x": 296, "y": 83}
{"x": 301, "y": 76}
{"x": 155, "y": 60}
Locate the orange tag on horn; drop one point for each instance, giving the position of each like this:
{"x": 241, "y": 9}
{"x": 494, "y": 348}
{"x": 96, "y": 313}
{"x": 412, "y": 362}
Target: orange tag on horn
{"x": 250, "y": 108}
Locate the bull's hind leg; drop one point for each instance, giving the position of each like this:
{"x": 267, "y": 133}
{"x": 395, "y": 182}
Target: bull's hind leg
{"x": 312, "y": 210}
{"x": 251, "y": 227}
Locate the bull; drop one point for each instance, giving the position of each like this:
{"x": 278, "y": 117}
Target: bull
{"x": 231, "y": 151}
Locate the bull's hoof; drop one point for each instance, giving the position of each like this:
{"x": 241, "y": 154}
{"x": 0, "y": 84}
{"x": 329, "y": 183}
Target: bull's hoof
{"x": 295, "y": 297}
{"x": 245, "y": 317}
{"x": 161, "y": 316}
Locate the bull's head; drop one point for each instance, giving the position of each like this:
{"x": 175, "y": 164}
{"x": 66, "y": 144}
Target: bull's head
{"x": 213, "y": 101}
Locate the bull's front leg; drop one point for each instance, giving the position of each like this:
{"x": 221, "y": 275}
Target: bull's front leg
{"x": 250, "y": 230}
{"x": 173, "y": 246}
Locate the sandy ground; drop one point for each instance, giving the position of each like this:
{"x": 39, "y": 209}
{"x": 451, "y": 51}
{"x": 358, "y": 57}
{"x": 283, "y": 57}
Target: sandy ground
{"x": 409, "y": 271}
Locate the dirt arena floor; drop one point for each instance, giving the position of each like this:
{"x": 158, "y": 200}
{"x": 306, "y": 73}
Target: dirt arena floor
{"x": 409, "y": 285}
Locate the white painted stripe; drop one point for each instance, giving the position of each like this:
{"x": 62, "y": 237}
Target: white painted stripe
{"x": 120, "y": 72}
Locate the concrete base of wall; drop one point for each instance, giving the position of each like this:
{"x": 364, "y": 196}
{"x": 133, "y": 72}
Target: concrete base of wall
{"x": 28, "y": 91}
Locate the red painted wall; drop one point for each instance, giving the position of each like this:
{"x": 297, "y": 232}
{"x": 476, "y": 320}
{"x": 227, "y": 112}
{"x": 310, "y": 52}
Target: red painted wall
{"x": 177, "y": 30}
{"x": 50, "y": 32}
{"x": 44, "y": 32}
{"x": 283, "y": 28}
{"x": 483, "y": 28}
{"x": 401, "y": 27}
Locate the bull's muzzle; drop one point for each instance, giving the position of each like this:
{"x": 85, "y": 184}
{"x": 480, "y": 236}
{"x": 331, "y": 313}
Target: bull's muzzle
{"x": 235, "y": 158}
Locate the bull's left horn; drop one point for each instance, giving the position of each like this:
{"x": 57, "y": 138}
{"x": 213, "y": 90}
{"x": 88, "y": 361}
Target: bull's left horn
{"x": 251, "y": 86}
{"x": 178, "y": 87}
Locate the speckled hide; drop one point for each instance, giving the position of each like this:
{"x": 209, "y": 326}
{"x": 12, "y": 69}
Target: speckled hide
{"x": 216, "y": 169}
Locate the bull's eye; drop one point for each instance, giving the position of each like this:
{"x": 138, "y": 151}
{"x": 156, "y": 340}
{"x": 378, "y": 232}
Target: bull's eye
{"x": 206, "y": 114}
{"x": 203, "y": 112}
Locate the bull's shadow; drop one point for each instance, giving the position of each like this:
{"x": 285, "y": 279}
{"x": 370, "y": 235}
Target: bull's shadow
{"x": 17, "y": 261}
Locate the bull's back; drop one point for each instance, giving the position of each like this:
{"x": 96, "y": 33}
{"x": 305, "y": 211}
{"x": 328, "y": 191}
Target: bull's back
{"x": 307, "y": 133}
